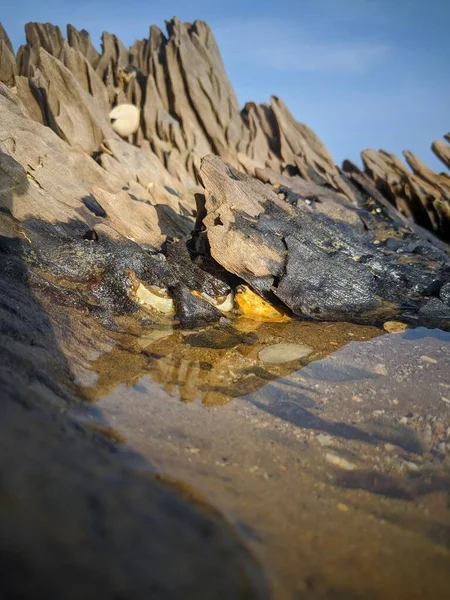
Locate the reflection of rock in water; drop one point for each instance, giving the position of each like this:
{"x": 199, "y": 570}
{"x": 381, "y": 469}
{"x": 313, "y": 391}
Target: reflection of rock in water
{"x": 278, "y": 459}
{"x": 216, "y": 364}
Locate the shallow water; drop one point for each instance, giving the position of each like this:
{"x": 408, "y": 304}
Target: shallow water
{"x": 334, "y": 466}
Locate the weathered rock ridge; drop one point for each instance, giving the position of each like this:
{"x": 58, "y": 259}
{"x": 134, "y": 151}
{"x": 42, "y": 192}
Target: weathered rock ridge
{"x": 189, "y": 109}
{"x": 327, "y": 243}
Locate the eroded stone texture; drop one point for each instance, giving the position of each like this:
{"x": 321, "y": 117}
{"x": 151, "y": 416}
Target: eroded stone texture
{"x": 189, "y": 109}
{"x": 83, "y": 216}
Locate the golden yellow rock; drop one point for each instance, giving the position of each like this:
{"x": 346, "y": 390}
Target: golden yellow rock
{"x": 394, "y": 326}
{"x": 256, "y": 308}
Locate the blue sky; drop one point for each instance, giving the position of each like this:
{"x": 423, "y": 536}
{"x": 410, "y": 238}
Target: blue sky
{"x": 361, "y": 73}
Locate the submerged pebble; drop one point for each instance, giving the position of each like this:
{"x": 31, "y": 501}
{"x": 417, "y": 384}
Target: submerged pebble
{"x": 338, "y": 461}
{"x": 324, "y": 439}
{"x": 281, "y": 353}
{"x": 411, "y": 466}
{"x": 219, "y": 339}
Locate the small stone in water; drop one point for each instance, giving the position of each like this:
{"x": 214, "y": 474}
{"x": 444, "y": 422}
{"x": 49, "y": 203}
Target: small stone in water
{"x": 428, "y": 359}
{"x": 342, "y": 507}
{"x": 338, "y": 461}
{"x": 390, "y": 447}
{"x": 394, "y": 326}
{"x": 281, "y": 353}
{"x": 324, "y": 439}
{"x": 411, "y": 466}
{"x": 380, "y": 369}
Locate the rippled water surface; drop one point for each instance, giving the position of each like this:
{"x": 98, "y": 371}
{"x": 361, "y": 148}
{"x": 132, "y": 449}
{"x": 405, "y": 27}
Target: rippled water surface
{"x": 326, "y": 445}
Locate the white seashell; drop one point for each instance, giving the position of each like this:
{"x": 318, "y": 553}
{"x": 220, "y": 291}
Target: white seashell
{"x": 125, "y": 119}
{"x": 155, "y": 298}
{"x": 226, "y": 306}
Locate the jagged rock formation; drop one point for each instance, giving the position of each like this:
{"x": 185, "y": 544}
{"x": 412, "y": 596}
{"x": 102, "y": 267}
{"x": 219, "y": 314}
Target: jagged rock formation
{"x": 86, "y": 220}
{"x": 142, "y": 192}
{"x": 189, "y": 109}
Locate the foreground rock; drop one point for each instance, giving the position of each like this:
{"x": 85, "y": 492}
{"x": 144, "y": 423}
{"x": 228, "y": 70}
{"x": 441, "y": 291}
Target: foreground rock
{"x": 73, "y": 517}
{"x": 76, "y": 522}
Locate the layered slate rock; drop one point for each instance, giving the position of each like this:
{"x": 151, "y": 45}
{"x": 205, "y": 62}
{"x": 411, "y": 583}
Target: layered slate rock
{"x": 319, "y": 267}
{"x": 60, "y": 177}
{"x": 90, "y": 228}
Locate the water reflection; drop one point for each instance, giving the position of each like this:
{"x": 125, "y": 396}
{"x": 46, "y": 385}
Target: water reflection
{"x": 218, "y": 364}
{"x": 332, "y": 462}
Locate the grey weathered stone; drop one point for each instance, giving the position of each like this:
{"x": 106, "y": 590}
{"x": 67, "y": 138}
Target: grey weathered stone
{"x": 81, "y": 41}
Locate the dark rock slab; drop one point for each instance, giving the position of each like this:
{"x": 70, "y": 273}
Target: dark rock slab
{"x": 319, "y": 267}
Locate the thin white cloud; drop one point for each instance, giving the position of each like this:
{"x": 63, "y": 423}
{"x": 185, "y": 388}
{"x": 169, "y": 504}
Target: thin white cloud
{"x": 278, "y": 45}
